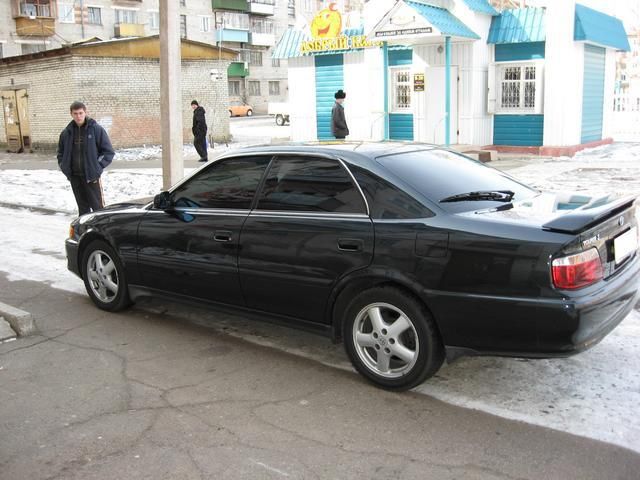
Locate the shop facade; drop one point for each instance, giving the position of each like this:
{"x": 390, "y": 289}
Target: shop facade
{"x": 457, "y": 72}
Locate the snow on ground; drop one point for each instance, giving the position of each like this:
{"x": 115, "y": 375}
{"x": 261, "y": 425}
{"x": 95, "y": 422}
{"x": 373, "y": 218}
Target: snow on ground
{"x": 594, "y": 394}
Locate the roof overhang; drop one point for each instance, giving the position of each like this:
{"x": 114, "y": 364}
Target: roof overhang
{"x": 597, "y": 28}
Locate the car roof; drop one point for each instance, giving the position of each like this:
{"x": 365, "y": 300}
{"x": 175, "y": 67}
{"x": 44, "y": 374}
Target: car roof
{"x": 357, "y": 153}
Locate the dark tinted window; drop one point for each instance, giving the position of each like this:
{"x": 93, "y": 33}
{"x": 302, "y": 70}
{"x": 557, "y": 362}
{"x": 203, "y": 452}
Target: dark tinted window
{"x": 438, "y": 174}
{"x": 386, "y": 201}
{"x": 229, "y": 183}
{"x": 310, "y": 184}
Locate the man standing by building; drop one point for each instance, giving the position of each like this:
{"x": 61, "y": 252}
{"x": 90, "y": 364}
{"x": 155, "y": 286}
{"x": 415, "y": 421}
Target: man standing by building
{"x": 199, "y": 130}
{"x": 84, "y": 151}
{"x": 338, "y": 121}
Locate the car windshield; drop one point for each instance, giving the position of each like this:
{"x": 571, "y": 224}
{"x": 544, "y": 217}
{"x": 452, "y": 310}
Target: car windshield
{"x": 455, "y": 182}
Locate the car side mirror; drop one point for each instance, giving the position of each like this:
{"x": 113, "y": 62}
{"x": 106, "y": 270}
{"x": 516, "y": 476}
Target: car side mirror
{"x": 162, "y": 201}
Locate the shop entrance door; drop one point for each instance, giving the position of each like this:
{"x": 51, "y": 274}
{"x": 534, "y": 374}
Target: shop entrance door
{"x": 16, "y": 120}
{"x": 435, "y": 80}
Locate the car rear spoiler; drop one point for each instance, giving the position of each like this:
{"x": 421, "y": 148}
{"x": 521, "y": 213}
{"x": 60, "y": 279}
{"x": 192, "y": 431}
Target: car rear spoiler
{"x": 588, "y": 215}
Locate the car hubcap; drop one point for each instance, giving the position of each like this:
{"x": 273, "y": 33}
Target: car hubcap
{"x": 103, "y": 276}
{"x": 386, "y": 340}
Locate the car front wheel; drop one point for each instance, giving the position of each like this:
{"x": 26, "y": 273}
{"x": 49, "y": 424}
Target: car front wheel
{"x": 392, "y": 339}
{"x": 249, "y": 112}
{"x": 104, "y": 277}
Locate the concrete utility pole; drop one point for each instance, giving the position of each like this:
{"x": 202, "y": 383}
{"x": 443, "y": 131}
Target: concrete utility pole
{"x": 170, "y": 93}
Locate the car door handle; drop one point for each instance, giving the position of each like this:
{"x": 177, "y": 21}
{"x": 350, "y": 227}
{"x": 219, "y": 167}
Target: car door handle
{"x": 350, "y": 244}
{"x": 222, "y": 236}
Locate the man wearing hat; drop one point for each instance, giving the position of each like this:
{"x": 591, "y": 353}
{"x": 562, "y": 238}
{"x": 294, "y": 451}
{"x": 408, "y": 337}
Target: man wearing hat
{"x": 338, "y": 122}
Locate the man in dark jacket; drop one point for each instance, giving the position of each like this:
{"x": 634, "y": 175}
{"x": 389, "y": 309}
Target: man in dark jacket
{"x": 199, "y": 130}
{"x": 339, "y": 127}
{"x": 84, "y": 151}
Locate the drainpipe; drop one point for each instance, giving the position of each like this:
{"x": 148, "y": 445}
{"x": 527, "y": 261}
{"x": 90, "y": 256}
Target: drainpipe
{"x": 447, "y": 91}
{"x": 82, "y": 17}
{"x": 385, "y": 69}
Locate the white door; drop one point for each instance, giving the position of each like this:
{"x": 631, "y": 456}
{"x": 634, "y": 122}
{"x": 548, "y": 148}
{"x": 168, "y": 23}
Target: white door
{"x": 434, "y": 116}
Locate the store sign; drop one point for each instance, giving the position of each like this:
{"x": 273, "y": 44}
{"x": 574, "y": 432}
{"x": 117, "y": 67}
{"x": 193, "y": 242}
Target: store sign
{"x": 326, "y": 33}
{"x": 418, "y": 82}
{"x": 407, "y": 31}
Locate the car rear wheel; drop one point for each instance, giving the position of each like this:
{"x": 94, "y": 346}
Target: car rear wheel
{"x": 249, "y": 112}
{"x": 279, "y": 120}
{"x": 392, "y": 339}
{"x": 104, "y": 277}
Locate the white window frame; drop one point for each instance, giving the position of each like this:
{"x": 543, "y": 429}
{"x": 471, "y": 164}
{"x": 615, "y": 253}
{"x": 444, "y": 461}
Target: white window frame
{"x": 205, "y": 23}
{"x": 496, "y": 76}
{"x": 154, "y": 19}
{"x": 393, "y": 85}
{"x": 66, "y": 13}
{"x": 99, "y": 9}
{"x": 126, "y": 14}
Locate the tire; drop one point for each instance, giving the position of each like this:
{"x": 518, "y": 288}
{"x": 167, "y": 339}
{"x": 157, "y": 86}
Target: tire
{"x": 279, "y": 120}
{"x": 104, "y": 277}
{"x": 230, "y": 113}
{"x": 249, "y": 112}
{"x": 392, "y": 358}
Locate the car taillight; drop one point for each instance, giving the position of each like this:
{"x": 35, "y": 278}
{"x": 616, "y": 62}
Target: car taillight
{"x": 578, "y": 270}
{"x": 72, "y": 232}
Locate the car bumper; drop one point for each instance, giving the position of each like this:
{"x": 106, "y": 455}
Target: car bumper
{"x": 71, "y": 247}
{"x": 537, "y": 328}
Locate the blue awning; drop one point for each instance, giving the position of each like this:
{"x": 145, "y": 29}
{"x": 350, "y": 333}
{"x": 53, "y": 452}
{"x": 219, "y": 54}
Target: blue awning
{"x": 443, "y": 20}
{"x": 481, "y": 6}
{"x": 599, "y": 28}
{"x": 519, "y": 25}
{"x": 291, "y": 40}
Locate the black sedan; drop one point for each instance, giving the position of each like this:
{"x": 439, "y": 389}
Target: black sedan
{"x": 406, "y": 252}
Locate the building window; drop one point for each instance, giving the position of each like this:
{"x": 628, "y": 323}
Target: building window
{"x": 126, "y": 16}
{"x": 275, "y": 62}
{"x": 252, "y": 57}
{"x": 254, "y": 89}
{"x": 400, "y": 89}
{"x": 291, "y": 8}
{"x": 234, "y": 88}
{"x": 519, "y": 87}
{"x": 274, "y": 88}
{"x": 94, "y": 15}
{"x": 262, "y": 25}
{"x": 28, "y": 48}
{"x": 154, "y": 20}
{"x": 237, "y": 21}
{"x": 205, "y": 24}
{"x": 183, "y": 3}
{"x": 66, "y": 13}
{"x": 183, "y": 26}
{"x": 38, "y": 8}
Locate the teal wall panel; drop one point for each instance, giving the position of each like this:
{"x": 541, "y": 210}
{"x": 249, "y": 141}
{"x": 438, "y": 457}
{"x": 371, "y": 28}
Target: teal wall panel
{"x": 401, "y": 126}
{"x": 592, "y": 94}
{"x": 512, "y": 52}
{"x": 400, "y": 57}
{"x": 518, "y": 130}
{"x": 329, "y": 79}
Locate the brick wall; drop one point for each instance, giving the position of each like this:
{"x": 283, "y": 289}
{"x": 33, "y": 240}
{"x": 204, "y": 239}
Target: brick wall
{"x": 122, "y": 94}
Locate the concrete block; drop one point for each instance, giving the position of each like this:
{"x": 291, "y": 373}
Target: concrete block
{"x": 20, "y": 321}
{"x": 6, "y": 332}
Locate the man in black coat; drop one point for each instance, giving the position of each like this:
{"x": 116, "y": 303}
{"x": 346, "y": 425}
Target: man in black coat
{"x": 84, "y": 151}
{"x": 339, "y": 127}
{"x": 199, "y": 130}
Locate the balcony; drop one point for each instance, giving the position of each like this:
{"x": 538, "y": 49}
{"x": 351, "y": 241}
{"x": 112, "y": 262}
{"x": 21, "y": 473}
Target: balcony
{"x": 34, "y": 18}
{"x": 238, "y": 69}
{"x": 237, "y": 5}
{"x": 262, "y": 7}
{"x": 231, "y": 35}
{"x": 128, "y": 30}
{"x": 262, "y": 39}
{"x": 35, "y": 27}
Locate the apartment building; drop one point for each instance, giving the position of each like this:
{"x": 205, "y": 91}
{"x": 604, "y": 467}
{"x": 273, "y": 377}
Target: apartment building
{"x": 252, "y": 27}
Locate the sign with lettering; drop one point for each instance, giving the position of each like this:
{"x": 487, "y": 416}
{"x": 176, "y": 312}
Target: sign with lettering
{"x": 418, "y": 82}
{"x": 406, "y": 31}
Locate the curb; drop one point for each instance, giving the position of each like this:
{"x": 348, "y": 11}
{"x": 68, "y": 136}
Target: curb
{"x": 21, "y": 322}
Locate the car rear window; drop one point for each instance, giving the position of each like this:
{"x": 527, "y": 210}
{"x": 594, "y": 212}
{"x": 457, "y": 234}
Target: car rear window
{"x": 438, "y": 174}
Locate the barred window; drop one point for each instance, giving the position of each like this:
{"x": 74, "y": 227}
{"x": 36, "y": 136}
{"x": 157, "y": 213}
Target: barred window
{"x": 518, "y": 86}
{"x": 400, "y": 89}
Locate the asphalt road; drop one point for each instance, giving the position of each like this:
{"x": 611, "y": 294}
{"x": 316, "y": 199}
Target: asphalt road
{"x": 148, "y": 394}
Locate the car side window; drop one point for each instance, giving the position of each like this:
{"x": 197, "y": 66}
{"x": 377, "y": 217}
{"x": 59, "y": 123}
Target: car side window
{"x": 386, "y": 201}
{"x": 230, "y": 184}
{"x": 310, "y": 184}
